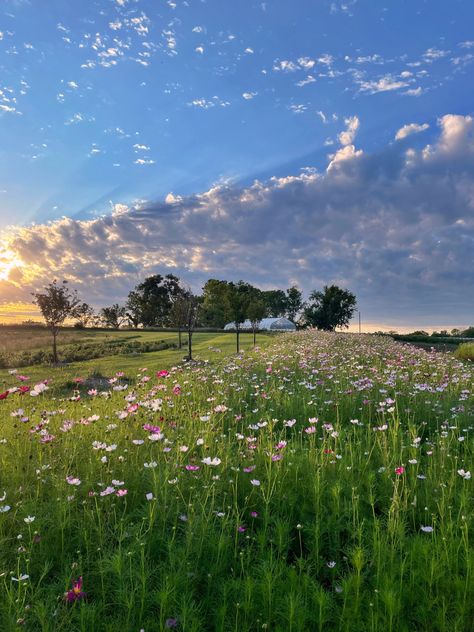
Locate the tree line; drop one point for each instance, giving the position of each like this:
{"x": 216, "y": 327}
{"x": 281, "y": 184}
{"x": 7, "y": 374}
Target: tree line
{"x": 165, "y": 301}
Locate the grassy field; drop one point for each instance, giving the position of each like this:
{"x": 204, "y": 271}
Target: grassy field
{"x": 320, "y": 482}
{"x": 205, "y": 346}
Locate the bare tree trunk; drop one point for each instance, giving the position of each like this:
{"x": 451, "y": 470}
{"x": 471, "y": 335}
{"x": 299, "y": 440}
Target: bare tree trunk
{"x": 254, "y": 337}
{"x": 179, "y": 338}
{"x": 237, "y": 331}
{"x": 55, "y": 349}
{"x": 190, "y": 345}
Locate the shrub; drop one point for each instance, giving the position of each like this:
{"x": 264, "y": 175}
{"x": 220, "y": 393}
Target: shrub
{"x": 465, "y": 351}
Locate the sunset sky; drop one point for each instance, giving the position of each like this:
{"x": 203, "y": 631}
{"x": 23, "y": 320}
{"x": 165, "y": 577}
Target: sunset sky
{"x": 281, "y": 142}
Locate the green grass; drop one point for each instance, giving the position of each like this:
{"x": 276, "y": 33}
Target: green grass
{"x": 466, "y": 351}
{"x": 319, "y": 483}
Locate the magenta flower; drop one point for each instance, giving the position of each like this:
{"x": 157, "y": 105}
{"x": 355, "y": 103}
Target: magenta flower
{"x": 151, "y": 428}
{"x": 76, "y": 593}
{"x": 163, "y": 373}
{"x": 399, "y": 470}
{"x": 192, "y": 468}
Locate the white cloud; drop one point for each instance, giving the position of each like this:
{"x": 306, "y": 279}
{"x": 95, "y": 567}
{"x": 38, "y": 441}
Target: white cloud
{"x": 432, "y": 54}
{"x": 347, "y": 152}
{"x": 384, "y": 84}
{"x": 285, "y": 66}
{"x": 305, "y": 82}
{"x": 414, "y": 92}
{"x": 144, "y": 161}
{"x": 347, "y": 136}
{"x": 411, "y": 128}
{"x": 249, "y": 95}
{"x": 306, "y": 62}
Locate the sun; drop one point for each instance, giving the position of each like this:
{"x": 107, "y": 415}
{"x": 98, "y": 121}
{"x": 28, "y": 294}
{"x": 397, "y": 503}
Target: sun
{"x": 8, "y": 261}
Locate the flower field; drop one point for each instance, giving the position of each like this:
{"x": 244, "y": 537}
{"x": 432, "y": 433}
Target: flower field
{"x": 321, "y": 483}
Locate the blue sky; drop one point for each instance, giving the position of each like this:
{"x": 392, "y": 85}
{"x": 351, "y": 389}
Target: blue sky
{"x": 115, "y": 105}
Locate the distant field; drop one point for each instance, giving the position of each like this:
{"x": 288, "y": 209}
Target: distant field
{"x": 206, "y": 346}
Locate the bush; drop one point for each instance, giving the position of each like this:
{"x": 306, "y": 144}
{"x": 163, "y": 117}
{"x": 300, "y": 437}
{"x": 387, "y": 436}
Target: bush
{"x": 465, "y": 351}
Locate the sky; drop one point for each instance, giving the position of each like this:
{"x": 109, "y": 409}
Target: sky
{"x": 280, "y": 142}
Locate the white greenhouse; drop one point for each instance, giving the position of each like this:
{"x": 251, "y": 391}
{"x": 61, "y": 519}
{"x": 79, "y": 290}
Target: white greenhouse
{"x": 266, "y": 324}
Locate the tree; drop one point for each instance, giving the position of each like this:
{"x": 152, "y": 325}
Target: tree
{"x": 193, "y": 305}
{"x": 113, "y": 316}
{"x": 179, "y": 313}
{"x": 85, "y": 315}
{"x": 57, "y": 303}
{"x": 294, "y": 303}
{"x": 331, "y": 308}
{"x": 239, "y": 296}
{"x": 255, "y": 312}
{"x": 213, "y": 310}
{"x": 275, "y": 301}
{"x": 150, "y": 302}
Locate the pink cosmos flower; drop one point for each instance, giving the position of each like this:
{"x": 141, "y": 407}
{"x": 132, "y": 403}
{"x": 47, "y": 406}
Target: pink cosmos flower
{"x": 151, "y": 428}
{"x": 192, "y": 468}
{"x": 163, "y": 373}
{"x": 399, "y": 470}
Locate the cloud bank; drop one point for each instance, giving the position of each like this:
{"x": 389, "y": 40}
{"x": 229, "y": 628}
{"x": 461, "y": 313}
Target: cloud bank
{"x": 396, "y": 227}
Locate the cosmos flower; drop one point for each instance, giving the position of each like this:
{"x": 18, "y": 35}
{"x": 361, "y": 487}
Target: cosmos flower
{"x": 75, "y": 593}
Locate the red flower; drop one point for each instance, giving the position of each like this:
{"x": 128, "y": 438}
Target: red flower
{"x": 399, "y": 470}
{"x": 4, "y": 395}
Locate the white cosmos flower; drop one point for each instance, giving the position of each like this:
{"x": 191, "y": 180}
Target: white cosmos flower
{"x": 208, "y": 461}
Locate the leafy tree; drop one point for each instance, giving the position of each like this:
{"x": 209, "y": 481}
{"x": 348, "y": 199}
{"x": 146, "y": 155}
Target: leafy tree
{"x": 294, "y": 303}
{"x": 113, "y": 316}
{"x": 85, "y": 315}
{"x": 255, "y": 312}
{"x": 468, "y": 333}
{"x": 214, "y": 297}
{"x": 150, "y": 302}
{"x": 239, "y": 296}
{"x": 179, "y": 313}
{"x": 331, "y": 308}
{"x": 57, "y": 303}
{"x": 276, "y": 302}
